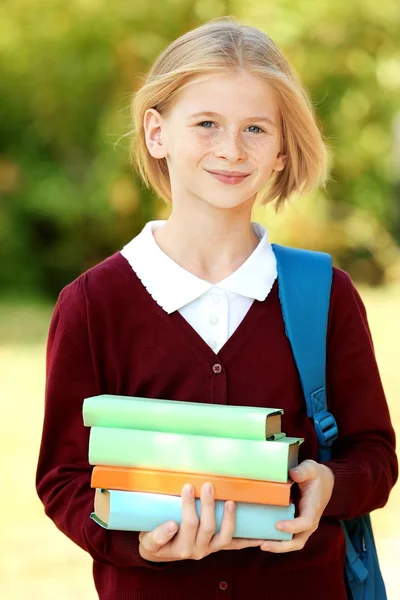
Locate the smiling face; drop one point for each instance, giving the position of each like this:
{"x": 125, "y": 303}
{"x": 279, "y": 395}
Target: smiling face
{"x": 227, "y": 122}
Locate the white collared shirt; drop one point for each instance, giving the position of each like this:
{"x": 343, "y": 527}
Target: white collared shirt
{"x": 213, "y": 310}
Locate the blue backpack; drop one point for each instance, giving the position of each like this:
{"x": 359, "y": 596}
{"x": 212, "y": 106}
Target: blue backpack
{"x": 305, "y": 280}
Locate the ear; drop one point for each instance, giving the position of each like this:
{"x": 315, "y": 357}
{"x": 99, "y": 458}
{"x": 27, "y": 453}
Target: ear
{"x": 152, "y": 125}
{"x": 280, "y": 162}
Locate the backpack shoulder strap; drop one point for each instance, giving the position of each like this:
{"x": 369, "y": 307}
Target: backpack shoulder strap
{"x": 304, "y": 281}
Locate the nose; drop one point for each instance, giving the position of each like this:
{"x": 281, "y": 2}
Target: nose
{"x": 230, "y": 147}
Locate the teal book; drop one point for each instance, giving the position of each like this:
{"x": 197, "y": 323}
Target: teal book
{"x": 139, "y": 511}
{"x": 195, "y": 418}
{"x": 232, "y": 457}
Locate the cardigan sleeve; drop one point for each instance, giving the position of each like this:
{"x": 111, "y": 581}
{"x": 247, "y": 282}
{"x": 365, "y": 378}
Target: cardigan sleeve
{"x": 63, "y": 472}
{"x": 363, "y": 457}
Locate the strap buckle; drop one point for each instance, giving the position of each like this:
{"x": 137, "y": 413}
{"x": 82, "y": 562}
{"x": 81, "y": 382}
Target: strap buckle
{"x": 326, "y": 428}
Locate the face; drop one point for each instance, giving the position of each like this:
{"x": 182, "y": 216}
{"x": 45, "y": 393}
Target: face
{"x": 221, "y": 139}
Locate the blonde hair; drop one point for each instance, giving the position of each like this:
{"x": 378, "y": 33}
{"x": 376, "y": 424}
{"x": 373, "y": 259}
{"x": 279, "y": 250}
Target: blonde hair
{"x": 213, "y": 47}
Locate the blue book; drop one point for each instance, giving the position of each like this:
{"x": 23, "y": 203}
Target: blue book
{"x": 140, "y": 511}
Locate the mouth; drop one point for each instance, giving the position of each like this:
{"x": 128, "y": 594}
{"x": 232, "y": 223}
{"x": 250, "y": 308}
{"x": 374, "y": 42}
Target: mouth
{"x": 230, "y": 177}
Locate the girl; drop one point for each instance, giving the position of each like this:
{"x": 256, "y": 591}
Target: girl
{"x": 189, "y": 310}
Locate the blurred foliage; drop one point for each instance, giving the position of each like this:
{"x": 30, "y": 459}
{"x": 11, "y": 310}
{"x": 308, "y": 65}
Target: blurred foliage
{"x": 67, "y": 70}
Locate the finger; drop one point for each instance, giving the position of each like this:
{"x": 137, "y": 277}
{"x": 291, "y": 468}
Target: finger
{"x": 308, "y": 469}
{"x": 240, "y": 543}
{"x": 298, "y": 525}
{"x": 308, "y": 514}
{"x": 207, "y": 524}
{"x": 153, "y": 541}
{"x": 227, "y": 528}
{"x": 185, "y": 539}
{"x": 297, "y": 543}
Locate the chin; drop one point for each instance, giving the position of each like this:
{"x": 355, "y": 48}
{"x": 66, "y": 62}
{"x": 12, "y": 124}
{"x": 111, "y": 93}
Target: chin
{"x": 228, "y": 198}
{"x": 229, "y": 203}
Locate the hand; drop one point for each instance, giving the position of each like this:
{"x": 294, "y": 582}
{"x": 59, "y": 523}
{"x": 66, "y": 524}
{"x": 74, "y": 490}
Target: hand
{"x": 195, "y": 538}
{"x": 316, "y": 482}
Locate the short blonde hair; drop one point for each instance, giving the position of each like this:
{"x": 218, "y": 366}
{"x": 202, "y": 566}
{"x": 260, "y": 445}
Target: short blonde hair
{"x": 216, "y": 46}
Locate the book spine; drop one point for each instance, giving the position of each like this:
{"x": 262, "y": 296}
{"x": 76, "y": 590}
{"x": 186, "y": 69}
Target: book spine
{"x": 248, "y": 459}
{"x": 136, "y": 511}
{"x": 178, "y": 417}
{"x": 171, "y": 483}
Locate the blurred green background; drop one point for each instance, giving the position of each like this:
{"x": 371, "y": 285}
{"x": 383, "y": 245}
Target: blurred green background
{"x": 67, "y": 70}
{"x": 69, "y": 198}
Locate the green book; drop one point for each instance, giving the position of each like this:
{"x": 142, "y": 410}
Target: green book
{"x": 251, "y": 459}
{"x": 174, "y": 416}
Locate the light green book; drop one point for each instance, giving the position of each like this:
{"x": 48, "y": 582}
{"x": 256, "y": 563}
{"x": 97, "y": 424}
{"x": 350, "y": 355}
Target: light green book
{"x": 174, "y": 416}
{"x": 251, "y": 459}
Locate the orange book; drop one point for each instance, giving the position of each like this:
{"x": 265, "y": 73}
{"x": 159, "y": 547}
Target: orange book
{"x": 171, "y": 482}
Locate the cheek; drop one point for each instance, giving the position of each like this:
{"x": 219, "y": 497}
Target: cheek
{"x": 204, "y": 140}
{"x": 265, "y": 149}
{"x": 197, "y": 147}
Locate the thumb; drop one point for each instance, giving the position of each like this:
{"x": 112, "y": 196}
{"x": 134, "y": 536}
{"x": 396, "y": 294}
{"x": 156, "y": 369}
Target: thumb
{"x": 304, "y": 471}
{"x": 153, "y": 541}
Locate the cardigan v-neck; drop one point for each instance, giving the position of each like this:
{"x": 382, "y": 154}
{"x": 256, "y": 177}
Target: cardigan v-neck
{"x": 192, "y": 340}
{"x": 107, "y": 335}
{"x": 214, "y": 310}
{"x": 232, "y": 345}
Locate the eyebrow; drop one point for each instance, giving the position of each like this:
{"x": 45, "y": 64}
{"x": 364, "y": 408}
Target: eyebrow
{"x": 214, "y": 114}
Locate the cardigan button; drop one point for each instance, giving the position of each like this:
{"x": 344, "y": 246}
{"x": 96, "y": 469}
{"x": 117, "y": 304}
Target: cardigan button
{"x": 223, "y": 585}
{"x": 217, "y": 368}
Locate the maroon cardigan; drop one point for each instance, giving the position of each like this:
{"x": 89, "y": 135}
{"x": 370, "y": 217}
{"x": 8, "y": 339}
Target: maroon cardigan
{"x": 108, "y": 336}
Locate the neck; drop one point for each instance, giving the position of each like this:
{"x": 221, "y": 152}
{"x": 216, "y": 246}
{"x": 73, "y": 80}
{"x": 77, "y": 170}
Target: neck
{"x": 209, "y": 244}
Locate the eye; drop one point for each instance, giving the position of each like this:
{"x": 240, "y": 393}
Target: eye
{"x": 206, "y": 124}
{"x": 209, "y": 124}
{"x": 255, "y": 127}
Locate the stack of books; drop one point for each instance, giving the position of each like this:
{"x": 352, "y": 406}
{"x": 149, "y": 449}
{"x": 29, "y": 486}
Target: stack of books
{"x": 144, "y": 450}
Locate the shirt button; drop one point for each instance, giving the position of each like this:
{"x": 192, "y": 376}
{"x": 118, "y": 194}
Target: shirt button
{"x": 217, "y": 368}
{"x": 214, "y": 299}
{"x": 212, "y": 344}
{"x": 214, "y": 319}
{"x": 223, "y": 585}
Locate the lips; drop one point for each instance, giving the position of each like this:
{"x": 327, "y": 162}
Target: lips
{"x": 229, "y": 177}
{"x": 229, "y": 173}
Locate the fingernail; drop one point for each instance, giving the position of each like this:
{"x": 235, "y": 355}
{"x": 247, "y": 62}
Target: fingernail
{"x": 208, "y": 488}
{"x": 188, "y": 489}
{"x": 279, "y": 527}
{"x": 230, "y": 506}
{"x": 171, "y": 527}
{"x": 265, "y": 547}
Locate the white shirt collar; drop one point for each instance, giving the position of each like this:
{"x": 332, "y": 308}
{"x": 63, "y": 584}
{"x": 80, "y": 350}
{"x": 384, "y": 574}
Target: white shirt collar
{"x": 172, "y": 287}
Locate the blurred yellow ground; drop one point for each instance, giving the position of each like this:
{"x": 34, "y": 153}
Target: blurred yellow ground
{"x": 37, "y": 561}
